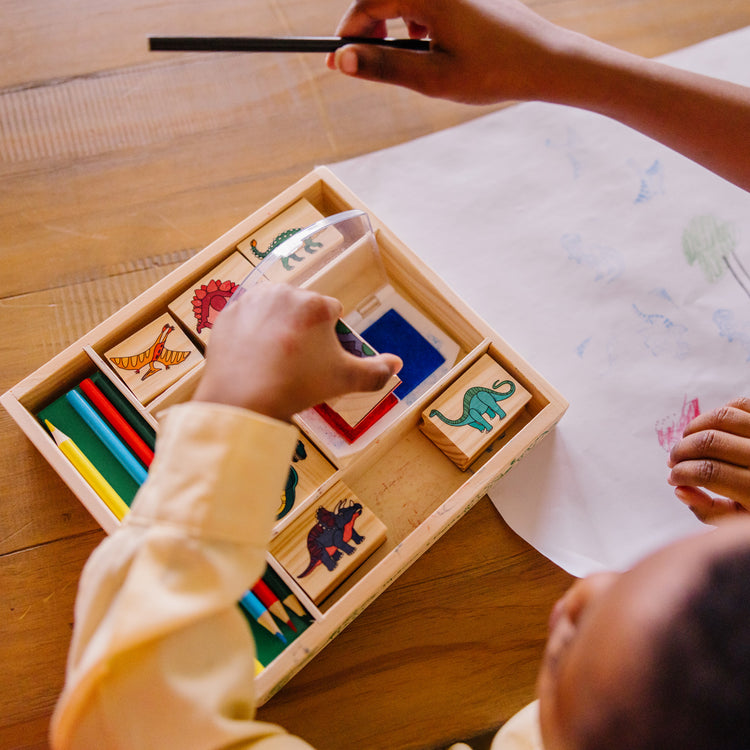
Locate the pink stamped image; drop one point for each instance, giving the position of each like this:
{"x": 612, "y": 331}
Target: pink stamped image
{"x": 669, "y": 429}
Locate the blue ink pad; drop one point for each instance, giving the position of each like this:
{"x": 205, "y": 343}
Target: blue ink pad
{"x": 392, "y": 334}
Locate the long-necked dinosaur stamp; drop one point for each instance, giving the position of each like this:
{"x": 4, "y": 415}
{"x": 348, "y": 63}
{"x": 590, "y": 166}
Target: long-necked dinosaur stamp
{"x": 474, "y": 412}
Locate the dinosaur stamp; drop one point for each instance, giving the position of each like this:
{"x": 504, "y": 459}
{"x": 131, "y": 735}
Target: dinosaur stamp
{"x": 264, "y": 240}
{"x": 474, "y": 412}
{"x": 154, "y": 358}
{"x": 333, "y": 535}
{"x": 351, "y": 410}
{"x": 309, "y": 469}
{"x": 198, "y": 306}
{"x": 328, "y": 541}
{"x": 480, "y": 404}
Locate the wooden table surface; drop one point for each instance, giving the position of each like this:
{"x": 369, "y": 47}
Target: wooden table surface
{"x": 117, "y": 165}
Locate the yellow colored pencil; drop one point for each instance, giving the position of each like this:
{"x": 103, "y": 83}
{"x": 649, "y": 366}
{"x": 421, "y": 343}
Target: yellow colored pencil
{"x": 89, "y": 472}
{"x": 258, "y": 666}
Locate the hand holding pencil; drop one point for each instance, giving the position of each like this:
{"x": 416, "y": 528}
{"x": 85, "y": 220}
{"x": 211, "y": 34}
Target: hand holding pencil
{"x": 481, "y": 51}
{"x": 488, "y": 51}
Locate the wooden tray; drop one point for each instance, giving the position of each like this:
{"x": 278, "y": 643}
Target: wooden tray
{"x": 414, "y": 489}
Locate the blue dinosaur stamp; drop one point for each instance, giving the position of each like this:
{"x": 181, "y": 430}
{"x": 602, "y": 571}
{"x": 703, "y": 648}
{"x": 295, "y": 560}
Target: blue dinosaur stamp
{"x": 474, "y": 412}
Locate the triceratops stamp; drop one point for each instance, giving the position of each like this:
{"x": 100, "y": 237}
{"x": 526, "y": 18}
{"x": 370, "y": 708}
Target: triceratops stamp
{"x": 328, "y": 541}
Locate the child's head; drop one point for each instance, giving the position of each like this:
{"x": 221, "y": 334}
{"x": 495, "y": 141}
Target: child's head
{"x": 657, "y": 657}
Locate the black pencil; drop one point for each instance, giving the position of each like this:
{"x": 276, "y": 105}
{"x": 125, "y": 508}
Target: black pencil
{"x": 273, "y": 44}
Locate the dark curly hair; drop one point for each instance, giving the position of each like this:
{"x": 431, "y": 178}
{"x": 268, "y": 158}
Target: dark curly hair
{"x": 697, "y": 696}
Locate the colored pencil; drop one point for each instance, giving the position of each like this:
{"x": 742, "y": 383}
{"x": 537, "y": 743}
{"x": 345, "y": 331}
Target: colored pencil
{"x": 105, "y": 433}
{"x": 89, "y": 472}
{"x": 254, "y": 607}
{"x": 288, "y": 599}
{"x": 272, "y": 602}
{"x": 273, "y": 44}
{"x": 258, "y": 666}
{"x": 120, "y": 425}
{"x": 121, "y": 403}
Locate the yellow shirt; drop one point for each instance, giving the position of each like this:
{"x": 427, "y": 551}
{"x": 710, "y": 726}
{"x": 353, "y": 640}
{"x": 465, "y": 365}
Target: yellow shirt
{"x": 161, "y": 656}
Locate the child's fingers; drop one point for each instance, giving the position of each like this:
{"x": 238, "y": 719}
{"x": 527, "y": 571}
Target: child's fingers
{"x": 706, "y": 508}
{"x": 415, "y": 70}
{"x": 360, "y": 374}
{"x": 715, "y": 476}
{"x": 712, "y": 444}
{"x": 733, "y": 418}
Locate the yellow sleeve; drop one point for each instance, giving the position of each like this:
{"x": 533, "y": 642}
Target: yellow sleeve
{"x": 161, "y": 656}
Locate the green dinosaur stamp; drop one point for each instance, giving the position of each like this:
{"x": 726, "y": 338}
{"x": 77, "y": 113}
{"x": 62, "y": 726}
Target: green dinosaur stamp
{"x": 480, "y": 404}
{"x": 308, "y": 244}
{"x": 461, "y": 421}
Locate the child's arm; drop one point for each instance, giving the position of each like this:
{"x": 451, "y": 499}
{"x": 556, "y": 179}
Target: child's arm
{"x": 161, "y": 656}
{"x": 486, "y": 51}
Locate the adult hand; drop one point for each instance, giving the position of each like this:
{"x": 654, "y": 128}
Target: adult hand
{"x": 481, "y": 51}
{"x": 714, "y": 454}
{"x": 274, "y": 350}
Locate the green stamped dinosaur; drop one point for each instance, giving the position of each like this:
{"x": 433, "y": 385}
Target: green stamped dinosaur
{"x": 478, "y": 402}
{"x": 309, "y": 245}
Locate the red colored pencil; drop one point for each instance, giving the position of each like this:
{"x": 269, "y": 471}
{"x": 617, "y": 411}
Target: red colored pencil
{"x": 119, "y": 424}
{"x": 270, "y": 600}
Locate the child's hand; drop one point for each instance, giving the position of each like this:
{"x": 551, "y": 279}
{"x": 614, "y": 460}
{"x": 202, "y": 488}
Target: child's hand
{"x": 274, "y": 350}
{"x": 481, "y": 51}
{"x": 714, "y": 454}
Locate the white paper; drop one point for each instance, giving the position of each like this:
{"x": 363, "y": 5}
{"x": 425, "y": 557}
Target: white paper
{"x": 571, "y": 235}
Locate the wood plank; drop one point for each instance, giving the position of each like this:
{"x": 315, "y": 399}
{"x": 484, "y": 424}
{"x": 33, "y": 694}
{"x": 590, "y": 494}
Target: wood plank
{"x": 39, "y": 586}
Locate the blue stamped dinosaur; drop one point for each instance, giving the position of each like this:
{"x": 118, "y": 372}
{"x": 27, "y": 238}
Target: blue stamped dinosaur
{"x": 478, "y": 402}
{"x": 330, "y": 536}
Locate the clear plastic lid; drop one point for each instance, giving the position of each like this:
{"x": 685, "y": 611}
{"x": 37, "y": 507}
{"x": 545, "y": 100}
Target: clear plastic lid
{"x": 298, "y": 257}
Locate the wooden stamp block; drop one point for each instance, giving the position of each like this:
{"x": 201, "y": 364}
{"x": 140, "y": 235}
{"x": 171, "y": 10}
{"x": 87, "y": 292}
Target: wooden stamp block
{"x": 354, "y": 407}
{"x": 309, "y": 469}
{"x": 328, "y": 541}
{"x": 474, "y": 411}
{"x": 264, "y": 240}
{"x": 198, "y": 307}
{"x": 153, "y": 358}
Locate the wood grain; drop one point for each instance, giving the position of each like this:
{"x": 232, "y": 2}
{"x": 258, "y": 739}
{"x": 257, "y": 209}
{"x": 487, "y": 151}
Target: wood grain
{"x": 116, "y": 166}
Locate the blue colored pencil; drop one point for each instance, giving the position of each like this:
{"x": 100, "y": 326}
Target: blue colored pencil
{"x": 254, "y": 607}
{"x": 105, "y": 433}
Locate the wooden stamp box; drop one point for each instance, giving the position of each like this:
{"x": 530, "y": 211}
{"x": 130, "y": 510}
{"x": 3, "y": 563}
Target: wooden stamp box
{"x": 399, "y": 471}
